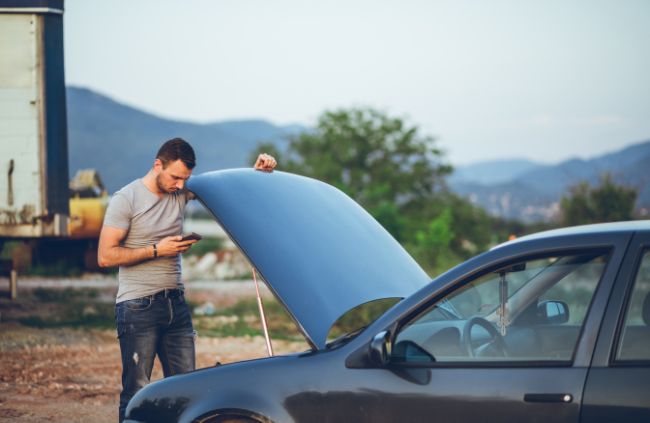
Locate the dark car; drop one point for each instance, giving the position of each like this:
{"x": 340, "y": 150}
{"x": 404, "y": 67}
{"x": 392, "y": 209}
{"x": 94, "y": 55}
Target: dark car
{"x": 549, "y": 327}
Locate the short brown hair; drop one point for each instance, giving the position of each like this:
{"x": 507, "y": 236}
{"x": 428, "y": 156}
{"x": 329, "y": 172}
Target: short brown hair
{"x": 177, "y": 149}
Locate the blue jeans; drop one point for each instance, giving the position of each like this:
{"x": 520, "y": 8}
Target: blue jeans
{"x": 149, "y": 326}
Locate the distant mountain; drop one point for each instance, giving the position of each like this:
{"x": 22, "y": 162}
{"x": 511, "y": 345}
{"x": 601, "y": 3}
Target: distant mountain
{"x": 493, "y": 172}
{"x": 534, "y": 194}
{"x": 121, "y": 141}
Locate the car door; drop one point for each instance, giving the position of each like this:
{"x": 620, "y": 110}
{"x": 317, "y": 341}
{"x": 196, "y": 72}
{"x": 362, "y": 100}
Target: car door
{"x": 432, "y": 377}
{"x": 618, "y": 384}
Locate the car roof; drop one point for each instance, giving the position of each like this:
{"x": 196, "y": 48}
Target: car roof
{"x": 597, "y": 228}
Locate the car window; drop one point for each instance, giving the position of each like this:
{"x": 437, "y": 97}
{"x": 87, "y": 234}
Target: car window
{"x": 635, "y": 336}
{"x": 531, "y": 310}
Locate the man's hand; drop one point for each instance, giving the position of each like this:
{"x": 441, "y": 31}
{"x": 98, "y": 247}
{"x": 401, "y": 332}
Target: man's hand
{"x": 110, "y": 253}
{"x": 172, "y": 245}
{"x": 265, "y": 162}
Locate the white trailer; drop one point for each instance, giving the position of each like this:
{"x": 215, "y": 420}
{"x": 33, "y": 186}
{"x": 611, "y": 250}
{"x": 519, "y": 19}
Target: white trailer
{"x": 34, "y": 190}
{"x": 33, "y": 134}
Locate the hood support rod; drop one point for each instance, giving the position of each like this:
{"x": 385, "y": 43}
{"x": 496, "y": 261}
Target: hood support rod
{"x": 269, "y": 347}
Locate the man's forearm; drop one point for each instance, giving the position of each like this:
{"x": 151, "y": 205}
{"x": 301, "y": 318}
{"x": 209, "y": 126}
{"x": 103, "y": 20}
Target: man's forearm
{"x": 123, "y": 256}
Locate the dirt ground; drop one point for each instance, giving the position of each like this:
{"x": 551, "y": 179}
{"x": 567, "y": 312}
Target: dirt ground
{"x": 73, "y": 375}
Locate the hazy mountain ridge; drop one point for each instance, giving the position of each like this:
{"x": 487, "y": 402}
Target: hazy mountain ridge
{"x": 493, "y": 172}
{"x": 121, "y": 141}
{"x": 535, "y": 194}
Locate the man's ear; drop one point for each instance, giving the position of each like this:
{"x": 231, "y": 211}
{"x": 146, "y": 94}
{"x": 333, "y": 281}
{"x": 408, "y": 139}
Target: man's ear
{"x": 158, "y": 165}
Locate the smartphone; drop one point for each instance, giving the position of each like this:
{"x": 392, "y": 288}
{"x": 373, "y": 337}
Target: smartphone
{"x": 190, "y": 236}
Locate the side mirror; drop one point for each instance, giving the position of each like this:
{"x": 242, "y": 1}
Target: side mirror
{"x": 552, "y": 312}
{"x": 378, "y": 350}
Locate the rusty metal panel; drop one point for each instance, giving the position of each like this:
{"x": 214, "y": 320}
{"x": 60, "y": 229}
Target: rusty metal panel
{"x": 20, "y": 128}
{"x": 33, "y": 144}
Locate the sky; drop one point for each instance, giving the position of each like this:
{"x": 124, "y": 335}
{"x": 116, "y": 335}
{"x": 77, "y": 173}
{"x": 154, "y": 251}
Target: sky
{"x": 540, "y": 80}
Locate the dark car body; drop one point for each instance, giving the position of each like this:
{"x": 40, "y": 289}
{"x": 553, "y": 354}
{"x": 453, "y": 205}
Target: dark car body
{"x": 549, "y": 327}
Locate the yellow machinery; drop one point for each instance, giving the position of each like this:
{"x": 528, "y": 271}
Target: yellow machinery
{"x": 88, "y": 202}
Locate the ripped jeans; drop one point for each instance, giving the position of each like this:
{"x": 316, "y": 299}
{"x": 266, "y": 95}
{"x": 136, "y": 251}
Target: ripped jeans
{"x": 157, "y": 324}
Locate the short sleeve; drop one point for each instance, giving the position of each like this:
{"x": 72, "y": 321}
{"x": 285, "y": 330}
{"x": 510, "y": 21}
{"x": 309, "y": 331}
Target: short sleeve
{"x": 119, "y": 212}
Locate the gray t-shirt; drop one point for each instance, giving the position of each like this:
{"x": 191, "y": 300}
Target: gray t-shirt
{"x": 148, "y": 219}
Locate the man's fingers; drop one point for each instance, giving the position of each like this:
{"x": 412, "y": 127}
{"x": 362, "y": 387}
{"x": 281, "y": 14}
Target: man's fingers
{"x": 265, "y": 162}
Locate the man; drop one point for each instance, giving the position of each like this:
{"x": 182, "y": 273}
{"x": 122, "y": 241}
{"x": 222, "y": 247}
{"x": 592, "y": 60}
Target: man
{"x": 141, "y": 235}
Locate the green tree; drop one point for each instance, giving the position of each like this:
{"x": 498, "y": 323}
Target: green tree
{"x": 607, "y": 202}
{"x": 395, "y": 173}
{"x": 433, "y": 241}
{"x": 380, "y": 161}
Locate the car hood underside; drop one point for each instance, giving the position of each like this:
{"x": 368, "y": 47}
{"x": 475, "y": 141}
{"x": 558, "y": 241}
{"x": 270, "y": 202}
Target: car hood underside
{"x": 320, "y": 253}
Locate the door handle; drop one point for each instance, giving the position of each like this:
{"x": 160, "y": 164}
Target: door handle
{"x": 564, "y": 398}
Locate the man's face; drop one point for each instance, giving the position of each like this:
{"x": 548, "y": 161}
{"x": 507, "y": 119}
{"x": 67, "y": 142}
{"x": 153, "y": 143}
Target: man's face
{"x": 173, "y": 177}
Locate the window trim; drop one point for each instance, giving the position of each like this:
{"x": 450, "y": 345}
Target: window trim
{"x": 480, "y": 364}
{"x": 614, "y": 361}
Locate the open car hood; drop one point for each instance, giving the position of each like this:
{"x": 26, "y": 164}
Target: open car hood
{"x": 319, "y": 251}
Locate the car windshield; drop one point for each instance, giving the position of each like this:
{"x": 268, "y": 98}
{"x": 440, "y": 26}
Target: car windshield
{"x": 532, "y": 309}
{"x": 482, "y": 298}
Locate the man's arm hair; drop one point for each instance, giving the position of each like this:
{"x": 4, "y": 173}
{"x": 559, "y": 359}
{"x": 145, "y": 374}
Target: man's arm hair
{"x": 110, "y": 253}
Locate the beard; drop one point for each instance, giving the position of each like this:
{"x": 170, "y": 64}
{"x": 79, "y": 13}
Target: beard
{"x": 162, "y": 187}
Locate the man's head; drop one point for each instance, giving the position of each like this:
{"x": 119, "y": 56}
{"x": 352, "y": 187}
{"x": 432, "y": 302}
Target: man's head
{"x": 173, "y": 165}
